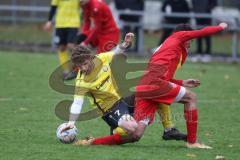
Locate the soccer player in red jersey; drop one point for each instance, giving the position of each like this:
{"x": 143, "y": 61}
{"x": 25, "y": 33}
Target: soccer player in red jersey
{"x": 158, "y": 85}
{"x": 99, "y": 28}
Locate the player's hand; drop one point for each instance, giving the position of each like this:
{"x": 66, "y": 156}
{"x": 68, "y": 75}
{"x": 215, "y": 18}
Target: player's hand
{"x": 191, "y": 83}
{"x": 67, "y": 127}
{"x": 223, "y": 25}
{"x": 129, "y": 37}
{"x": 48, "y": 26}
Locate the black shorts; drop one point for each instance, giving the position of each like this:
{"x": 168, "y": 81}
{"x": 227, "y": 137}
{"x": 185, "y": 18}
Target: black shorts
{"x": 65, "y": 35}
{"x": 116, "y": 112}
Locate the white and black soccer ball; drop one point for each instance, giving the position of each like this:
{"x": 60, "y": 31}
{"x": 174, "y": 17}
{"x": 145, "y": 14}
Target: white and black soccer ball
{"x": 67, "y": 136}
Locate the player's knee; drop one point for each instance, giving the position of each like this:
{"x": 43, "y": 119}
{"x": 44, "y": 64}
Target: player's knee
{"x": 129, "y": 126}
{"x": 192, "y": 97}
{"x": 128, "y": 123}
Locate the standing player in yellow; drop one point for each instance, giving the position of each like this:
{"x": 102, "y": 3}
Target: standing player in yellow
{"x": 96, "y": 81}
{"x": 67, "y": 26}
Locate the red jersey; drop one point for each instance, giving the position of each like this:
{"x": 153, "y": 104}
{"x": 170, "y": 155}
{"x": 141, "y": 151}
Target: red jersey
{"x": 165, "y": 59}
{"x": 97, "y": 20}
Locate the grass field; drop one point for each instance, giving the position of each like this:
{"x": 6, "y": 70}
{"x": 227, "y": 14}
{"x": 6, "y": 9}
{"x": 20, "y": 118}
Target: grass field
{"x": 28, "y": 121}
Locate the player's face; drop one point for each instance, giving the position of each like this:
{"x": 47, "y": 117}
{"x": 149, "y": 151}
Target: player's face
{"x": 83, "y": 2}
{"x": 86, "y": 67}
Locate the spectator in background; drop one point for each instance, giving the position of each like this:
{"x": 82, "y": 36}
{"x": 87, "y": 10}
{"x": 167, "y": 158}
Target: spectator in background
{"x": 67, "y": 25}
{"x": 132, "y": 5}
{"x": 99, "y": 28}
{"x": 204, "y": 7}
{"x": 171, "y": 6}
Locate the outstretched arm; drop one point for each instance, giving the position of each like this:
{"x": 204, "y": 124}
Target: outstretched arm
{"x": 127, "y": 43}
{"x": 75, "y": 111}
{"x": 207, "y": 31}
{"x": 97, "y": 23}
{"x": 86, "y": 22}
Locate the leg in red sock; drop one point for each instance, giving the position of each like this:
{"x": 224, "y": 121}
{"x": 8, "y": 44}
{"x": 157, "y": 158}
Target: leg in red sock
{"x": 114, "y": 139}
{"x": 191, "y": 117}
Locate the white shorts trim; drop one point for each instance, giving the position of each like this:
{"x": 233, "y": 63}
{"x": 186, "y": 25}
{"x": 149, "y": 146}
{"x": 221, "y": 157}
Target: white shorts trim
{"x": 180, "y": 95}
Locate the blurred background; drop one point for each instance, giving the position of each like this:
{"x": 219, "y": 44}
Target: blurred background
{"x": 21, "y": 23}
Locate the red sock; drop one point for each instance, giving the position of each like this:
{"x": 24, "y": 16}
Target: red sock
{"x": 114, "y": 139}
{"x": 191, "y": 117}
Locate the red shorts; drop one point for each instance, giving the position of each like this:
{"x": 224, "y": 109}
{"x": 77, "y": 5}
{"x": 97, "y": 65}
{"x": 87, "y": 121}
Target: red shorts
{"x": 105, "y": 43}
{"x": 145, "y": 107}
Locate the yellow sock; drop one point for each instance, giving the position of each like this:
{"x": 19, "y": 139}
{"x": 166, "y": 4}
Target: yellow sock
{"x": 120, "y": 131}
{"x": 165, "y": 114}
{"x": 63, "y": 58}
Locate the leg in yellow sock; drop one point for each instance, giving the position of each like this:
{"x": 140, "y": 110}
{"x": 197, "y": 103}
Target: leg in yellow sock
{"x": 164, "y": 112}
{"x": 63, "y": 58}
{"x": 170, "y": 132}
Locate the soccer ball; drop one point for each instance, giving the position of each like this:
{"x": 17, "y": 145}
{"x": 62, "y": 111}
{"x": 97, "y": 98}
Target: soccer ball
{"x": 67, "y": 136}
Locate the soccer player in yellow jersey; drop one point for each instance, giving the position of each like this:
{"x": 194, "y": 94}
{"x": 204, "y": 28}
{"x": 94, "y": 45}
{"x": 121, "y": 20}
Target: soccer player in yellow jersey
{"x": 67, "y": 23}
{"x": 95, "y": 80}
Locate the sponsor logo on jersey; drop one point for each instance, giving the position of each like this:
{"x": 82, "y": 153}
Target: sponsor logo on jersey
{"x": 105, "y": 68}
{"x": 102, "y": 83}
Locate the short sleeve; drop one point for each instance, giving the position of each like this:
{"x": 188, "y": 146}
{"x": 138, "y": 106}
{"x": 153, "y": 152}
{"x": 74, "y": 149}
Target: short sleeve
{"x": 106, "y": 56}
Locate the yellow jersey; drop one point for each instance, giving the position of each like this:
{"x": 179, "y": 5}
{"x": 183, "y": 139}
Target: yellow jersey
{"x": 68, "y": 13}
{"x": 99, "y": 85}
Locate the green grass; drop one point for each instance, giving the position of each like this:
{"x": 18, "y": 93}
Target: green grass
{"x": 28, "y": 121}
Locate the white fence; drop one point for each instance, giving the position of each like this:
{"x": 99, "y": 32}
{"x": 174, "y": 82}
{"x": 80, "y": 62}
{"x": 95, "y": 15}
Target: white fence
{"x": 10, "y": 13}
